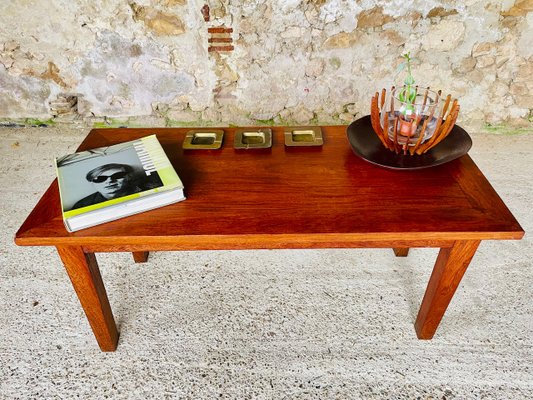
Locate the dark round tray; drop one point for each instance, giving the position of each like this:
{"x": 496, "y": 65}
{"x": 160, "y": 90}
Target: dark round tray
{"x": 367, "y": 145}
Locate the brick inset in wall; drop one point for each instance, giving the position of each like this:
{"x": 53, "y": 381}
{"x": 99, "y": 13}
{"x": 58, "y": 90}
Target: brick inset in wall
{"x": 219, "y": 37}
{"x": 64, "y": 104}
{"x": 205, "y": 13}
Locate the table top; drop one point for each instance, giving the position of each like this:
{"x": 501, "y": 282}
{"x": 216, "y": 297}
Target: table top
{"x": 287, "y": 197}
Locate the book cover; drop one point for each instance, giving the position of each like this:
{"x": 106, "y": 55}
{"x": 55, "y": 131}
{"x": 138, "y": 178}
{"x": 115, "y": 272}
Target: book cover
{"x": 108, "y": 183}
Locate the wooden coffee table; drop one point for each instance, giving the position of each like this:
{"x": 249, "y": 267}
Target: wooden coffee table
{"x": 285, "y": 198}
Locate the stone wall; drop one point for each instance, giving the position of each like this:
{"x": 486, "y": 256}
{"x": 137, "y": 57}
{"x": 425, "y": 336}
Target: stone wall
{"x": 179, "y": 62}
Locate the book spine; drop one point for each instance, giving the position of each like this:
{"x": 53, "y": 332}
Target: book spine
{"x": 62, "y": 202}
{"x": 154, "y": 159}
{"x": 149, "y": 160}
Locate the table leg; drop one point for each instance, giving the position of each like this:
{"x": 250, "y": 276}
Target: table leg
{"x": 140, "y": 256}
{"x": 399, "y": 252}
{"x": 84, "y": 274}
{"x": 449, "y": 268}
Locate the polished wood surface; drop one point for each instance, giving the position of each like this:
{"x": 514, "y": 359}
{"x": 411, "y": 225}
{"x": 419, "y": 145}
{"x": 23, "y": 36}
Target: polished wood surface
{"x": 140, "y": 256}
{"x": 448, "y": 271}
{"x": 399, "y": 252}
{"x": 289, "y": 198}
{"x": 320, "y": 197}
{"x": 84, "y": 274}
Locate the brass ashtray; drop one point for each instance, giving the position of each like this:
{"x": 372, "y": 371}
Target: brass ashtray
{"x": 200, "y": 139}
{"x": 247, "y": 138}
{"x": 303, "y": 136}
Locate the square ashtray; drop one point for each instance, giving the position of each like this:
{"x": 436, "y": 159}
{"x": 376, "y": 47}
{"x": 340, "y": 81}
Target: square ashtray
{"x": 208, "y": 139}
{"x": 246, "y": 138}
{"x": 303, "y": 136}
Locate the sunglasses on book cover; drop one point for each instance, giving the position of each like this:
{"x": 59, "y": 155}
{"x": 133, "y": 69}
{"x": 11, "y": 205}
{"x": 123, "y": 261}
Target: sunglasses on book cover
{"x": 114, "y": 177}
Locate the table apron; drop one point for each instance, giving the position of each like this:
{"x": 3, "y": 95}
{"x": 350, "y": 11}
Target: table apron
{"x": 216, "y": 245}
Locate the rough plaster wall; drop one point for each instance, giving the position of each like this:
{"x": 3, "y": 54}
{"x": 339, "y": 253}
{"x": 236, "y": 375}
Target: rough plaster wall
{"x": 291, "y": 60}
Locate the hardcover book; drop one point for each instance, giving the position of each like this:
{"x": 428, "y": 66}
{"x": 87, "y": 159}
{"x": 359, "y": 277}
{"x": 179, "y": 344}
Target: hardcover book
{"x": 108, "y": 183}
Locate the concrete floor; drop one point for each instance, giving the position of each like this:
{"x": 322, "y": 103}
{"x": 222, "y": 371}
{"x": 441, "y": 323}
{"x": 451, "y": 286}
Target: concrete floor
{"x": 328, "y": 324}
